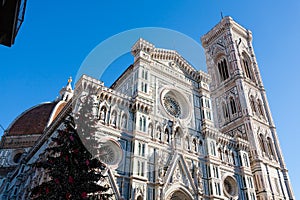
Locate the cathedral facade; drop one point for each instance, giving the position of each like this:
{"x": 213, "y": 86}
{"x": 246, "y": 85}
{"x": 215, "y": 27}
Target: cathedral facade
{"x": 168, "y": 131}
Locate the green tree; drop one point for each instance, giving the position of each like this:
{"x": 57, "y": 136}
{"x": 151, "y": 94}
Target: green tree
{"x": 73, "y": 171}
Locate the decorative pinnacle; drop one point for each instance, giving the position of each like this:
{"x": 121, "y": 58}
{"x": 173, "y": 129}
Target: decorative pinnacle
{"x": 70, "y": 79}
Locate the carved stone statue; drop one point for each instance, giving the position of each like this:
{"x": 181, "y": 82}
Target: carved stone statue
{"x": 150, "y": 130}
{"x": 199, "y": 178}
{"x": 177, "y": 174}
{"x": 124, "y": 121}
{"x": 102, "y": 114}
{"x": 113, "y": 119}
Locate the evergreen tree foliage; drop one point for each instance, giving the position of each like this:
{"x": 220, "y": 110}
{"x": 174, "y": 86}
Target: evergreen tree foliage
{"x": 85, "y": 124}
{"x": 73, "y": 171}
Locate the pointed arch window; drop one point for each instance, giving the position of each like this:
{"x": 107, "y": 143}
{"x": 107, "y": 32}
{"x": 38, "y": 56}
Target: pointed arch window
{"x": 223, "y": 70}
{"x": 143, "y": 123}
{"x": 144, "y": 87}
{"x": 247, "y": 66}
{"x": 145, "y": 74}
{"x": 252, "y": 104}
{"x": 260, "y": 108}
{"x": 139, "y": 148}
{"x": 225, "y": 110}
{"x": 247, "y": 69}
{"x": 232, "y": 105}
{"x": 139, "y": 167}
{"x": 245, "y": 160}
{"x": 261, "y": 143}
{"x": 270, "y": 147}
{"x": 212, "y": 148}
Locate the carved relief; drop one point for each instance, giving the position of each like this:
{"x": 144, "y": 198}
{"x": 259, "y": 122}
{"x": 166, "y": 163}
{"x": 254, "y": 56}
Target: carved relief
{"x": 238, "y": 132}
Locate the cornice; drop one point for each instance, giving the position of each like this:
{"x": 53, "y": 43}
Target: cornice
{"x": 227, "y": 23}
{"x": 165, "y": 54}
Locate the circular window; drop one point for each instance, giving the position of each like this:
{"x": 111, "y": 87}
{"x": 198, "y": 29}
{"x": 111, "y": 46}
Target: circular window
{"x": 230, "y": 186}
{"x": 172, "y": 106}
{"x": 110, "y": 153}
{"x": 175, "y": 103}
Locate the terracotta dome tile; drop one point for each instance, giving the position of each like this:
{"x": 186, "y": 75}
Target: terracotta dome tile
{"x": 32, "y": 121}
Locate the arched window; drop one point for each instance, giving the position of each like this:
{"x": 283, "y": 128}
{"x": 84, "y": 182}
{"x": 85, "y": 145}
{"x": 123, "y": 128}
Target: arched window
{"x": 270, "y": 147}
{"x": 143, "y": 74}
{"x": 143, "y": 123}
{"x": 223, "y": 70}
{"x": 212, "y": 148}
{"x": 232, "y": 105}
{"x": 261, "y": 143}
{"x": 252, "y": 104}
{"x": 245, "y": 160}
{"x": 142, "y": 169}
{"x": 225, "y": 110}
{"x": 144, "y": 87}
{"x": 247, "y": 67}
{"x": 139, "y": 149}
{"x": 260, "y": 108}
{"x": 143, "y": 150}
{"x": 139, "y": 167}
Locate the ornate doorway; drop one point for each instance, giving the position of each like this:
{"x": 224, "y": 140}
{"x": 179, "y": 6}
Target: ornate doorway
{"x": 179, "y": 195}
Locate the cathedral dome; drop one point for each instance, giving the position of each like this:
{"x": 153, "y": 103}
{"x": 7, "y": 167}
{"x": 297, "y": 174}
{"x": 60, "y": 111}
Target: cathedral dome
{"x": 33, "y": 120}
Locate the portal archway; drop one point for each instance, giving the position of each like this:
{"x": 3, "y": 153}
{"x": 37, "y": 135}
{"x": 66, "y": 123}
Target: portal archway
{"x": 179, "y": 195}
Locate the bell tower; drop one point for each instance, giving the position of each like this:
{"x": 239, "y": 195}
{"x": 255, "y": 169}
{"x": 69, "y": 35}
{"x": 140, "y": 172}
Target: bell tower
{"x": 240, "y": 105}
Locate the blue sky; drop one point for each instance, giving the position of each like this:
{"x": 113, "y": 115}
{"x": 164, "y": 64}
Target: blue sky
{"x": 57, "y": 36}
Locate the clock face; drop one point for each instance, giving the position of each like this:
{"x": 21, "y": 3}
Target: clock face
{"x": 172, "y": 106}
{"x": 110, "y": 153}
